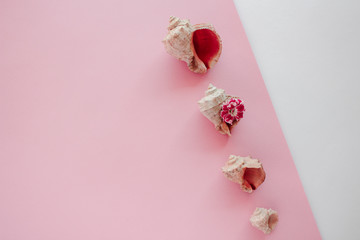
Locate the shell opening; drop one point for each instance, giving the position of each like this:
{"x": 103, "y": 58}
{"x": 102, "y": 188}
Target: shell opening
{"x": 273, "y": 220}
{"x": 206, "y": 45}
{"x": 254, "y": 177}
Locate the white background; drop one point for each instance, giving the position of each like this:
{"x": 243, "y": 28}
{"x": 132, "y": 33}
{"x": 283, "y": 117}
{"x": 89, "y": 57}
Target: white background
{"x": 308, "y": 52}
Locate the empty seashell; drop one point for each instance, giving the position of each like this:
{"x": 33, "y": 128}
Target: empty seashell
{"x": 264, "y": 219}
{"x": 222, "y": 110}
{"x": 199, "y": 45}
{"x": 246, "y": 171}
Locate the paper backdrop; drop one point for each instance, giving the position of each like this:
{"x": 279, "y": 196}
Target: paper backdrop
{"x": 101, "y": 136}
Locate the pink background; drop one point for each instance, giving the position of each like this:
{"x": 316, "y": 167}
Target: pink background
{"x": 101, "y": 136}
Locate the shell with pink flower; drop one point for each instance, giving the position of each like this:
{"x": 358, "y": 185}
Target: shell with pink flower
{"x": 223, "y": 110}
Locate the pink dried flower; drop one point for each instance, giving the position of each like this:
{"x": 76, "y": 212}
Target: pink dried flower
{"x": 232, "y": 110}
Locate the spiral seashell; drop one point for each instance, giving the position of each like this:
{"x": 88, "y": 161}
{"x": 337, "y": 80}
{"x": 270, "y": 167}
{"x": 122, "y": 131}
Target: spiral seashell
{"x": 211, "y": 106}
{"x": 264, "y": 219}
{"x": 199, "y": 45}
{"x": 246, "y": 171}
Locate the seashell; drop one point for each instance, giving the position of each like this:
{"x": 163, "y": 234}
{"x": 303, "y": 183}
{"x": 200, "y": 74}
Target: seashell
{"x": 211, "y": 107}
{"x": 246, "y": 171}
{"x": 199, "y": 45}
{"x": 264, "y": 219}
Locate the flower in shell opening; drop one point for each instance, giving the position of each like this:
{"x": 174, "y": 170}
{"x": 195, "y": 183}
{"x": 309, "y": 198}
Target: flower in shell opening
{"x": 232, "y": 110}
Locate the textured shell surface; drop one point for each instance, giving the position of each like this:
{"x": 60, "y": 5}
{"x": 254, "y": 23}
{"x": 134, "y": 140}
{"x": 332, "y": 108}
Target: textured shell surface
{"x": 264, "y": 219}
{"x": 210, "y": 105}
{"x": 246, "y": 171}
{"x": 178, "y": 40}
{"x": 214, "y": 97}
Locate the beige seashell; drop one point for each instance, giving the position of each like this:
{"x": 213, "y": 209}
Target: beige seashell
{"x": 178, "y": 40}
{"x": 264, "y": 219}
{"x": 199, "y": 45}
{"x": 210, "y": 107}
{"x": 246, "y": 171}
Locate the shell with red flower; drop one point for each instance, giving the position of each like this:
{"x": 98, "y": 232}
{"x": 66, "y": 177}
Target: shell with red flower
{"x": 222, "y": 110}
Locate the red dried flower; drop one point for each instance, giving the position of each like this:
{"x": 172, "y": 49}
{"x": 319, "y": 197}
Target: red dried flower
{"x": 232, "y": 110}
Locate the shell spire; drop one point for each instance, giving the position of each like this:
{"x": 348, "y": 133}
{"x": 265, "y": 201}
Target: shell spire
{"x": 198, "y": 45}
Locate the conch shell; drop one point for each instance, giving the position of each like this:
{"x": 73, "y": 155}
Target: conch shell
{"x": 246, "y": 171}
{"x": 211, "y": 107}
{"x": 264, "y": 219}
{"x": 198, "y": 45}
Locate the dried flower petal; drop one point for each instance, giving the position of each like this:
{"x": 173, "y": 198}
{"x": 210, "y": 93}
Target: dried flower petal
{"x": 232, "y": 110}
